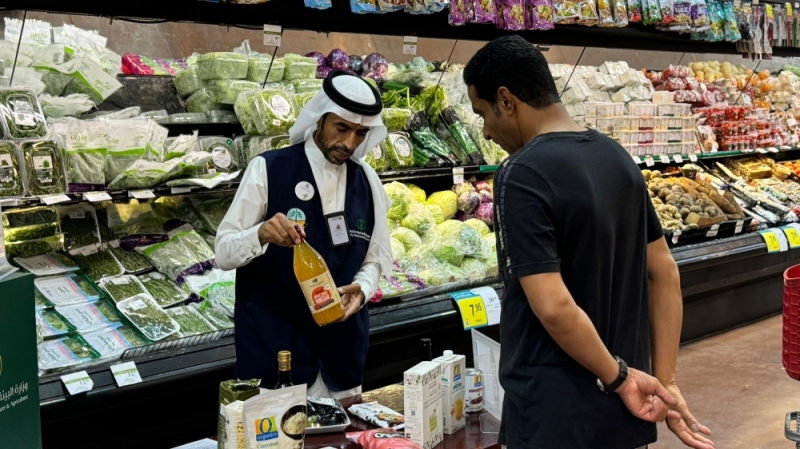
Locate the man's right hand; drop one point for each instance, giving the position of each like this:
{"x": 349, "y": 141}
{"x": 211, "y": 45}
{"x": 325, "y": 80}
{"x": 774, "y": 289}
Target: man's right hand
{"x": 684, "y": 425}
{"x": 280, "y": 231}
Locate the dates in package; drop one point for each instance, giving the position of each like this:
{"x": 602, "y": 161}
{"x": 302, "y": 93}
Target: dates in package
{"x": 539, "y": 15}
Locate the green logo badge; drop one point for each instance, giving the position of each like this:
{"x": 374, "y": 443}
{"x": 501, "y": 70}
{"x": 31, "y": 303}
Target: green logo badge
{"x": 361, "y": 224}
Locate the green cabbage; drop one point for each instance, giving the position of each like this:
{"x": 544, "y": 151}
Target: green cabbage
{"x": 447, "y": 200}
{"x": 398, "y": 249}
{"x": 436, "y": 212}
{"x": 407, "y": 237}
{"x": 478, "y": 225}
{"x": 448, "y": 249}
{"x": 491, "y": 240}
{"x": 418, "y": 219}
{"x": 419, "y": 194}
{"x": 469, "y": 239}
{"x": 474, "y": 268}
{"x": 401, "y": 197}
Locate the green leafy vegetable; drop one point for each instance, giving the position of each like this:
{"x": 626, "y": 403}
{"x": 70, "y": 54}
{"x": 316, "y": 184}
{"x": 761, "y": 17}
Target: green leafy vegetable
{"x": 80, "y": 226}
{"x": 204, "y": 100}
{"x": 164, "y": 291}
{"x": 27, "y": 217}
{"x": 221, "y": 66}
{"x": 85, "y": 166}
{"x": 22, "y": 114}
{"x": 222, "y": 295}
{"x": 215, "y": 315}
{"x": 31, "y": 232}
{"x": 378, "y": 159}
{"x": 53, "y": 324}
{"x": 190, "y": 321}
{"x": 396, "y": 119}
{"x": 148, "y": 317}
{"x": 122, "y": 288}
{"x": 131, "y": 261}
{"x": 188, "y": 82}
{"x": 274, "y": 112}
{"x": 30, "y": 248}
{"x": 100, "y": 264}
{"x": 133, "y": 336}
{"x": 399, "y": 150}
{"x": 227, "y": 91}
{"x": 259, "y": 66}
{"x": 10, "y": 177}
{"x": 44, "y": 166}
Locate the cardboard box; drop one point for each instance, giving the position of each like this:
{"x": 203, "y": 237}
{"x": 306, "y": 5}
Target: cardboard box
{"x": 422, "y": 399}
{"x": 703, "y": 222}
{"x": 454, "y": 367}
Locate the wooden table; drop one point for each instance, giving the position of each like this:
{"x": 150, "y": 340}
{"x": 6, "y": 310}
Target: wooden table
{"x": 469, "y": 437}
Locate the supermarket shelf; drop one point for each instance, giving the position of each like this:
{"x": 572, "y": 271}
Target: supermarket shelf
{"x": 792, "y": 152}
{"x": 293, "y": 15}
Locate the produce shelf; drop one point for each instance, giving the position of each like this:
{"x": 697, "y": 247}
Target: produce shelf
{"x": 293, "y": 15}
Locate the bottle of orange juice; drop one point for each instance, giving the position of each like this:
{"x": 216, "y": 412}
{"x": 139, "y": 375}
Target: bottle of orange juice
{"x": 317, "y": 285}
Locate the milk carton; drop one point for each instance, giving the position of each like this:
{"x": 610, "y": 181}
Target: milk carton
{"x": 422, "y": 398}
{"x": 453, "y": 368}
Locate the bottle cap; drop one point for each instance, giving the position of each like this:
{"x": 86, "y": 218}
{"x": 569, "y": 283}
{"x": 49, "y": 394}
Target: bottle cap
{"x": 284, "y": 356}
{"x": 448, "y": 353}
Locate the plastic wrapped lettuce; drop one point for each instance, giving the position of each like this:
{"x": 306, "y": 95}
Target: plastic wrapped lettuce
{"x": 227, "y": 91}
{"x": 491, "y": 240}
{"x": 401, "y": 198}
{"x": 396, "y": 119}
{"x": 22, "y": 113}
{"x": 148, "y": 317}
{"x": 222, "y": 65}
{"x": 446, "y": 200}
{"x": 214, "y": 314}
{"x": 436, "y": 213}
{"x": 302, "y": 86}
{"x": 418, "y": 219}
{"x": 188, "y": 82}
{"x": 469, "y": 239}
{"x": 419, "y": 194}
{"x": 259, "y": 66}
{"x": 142, "y": 174}
{"x": 85, "y": 150}
{"x": 176, "y": 257}
{"x": 377, "y": 159}
{"x": 398, "y": 149}
{"x": 398, "y": 249}
{"x": 221, "y": 150}
{"x": 407, "y": 237}
{"x": 274, "y": 112}
{"x": 10, "y": 174}
{"x": 474, "y": 269}
{"x": 204, "y": 100}
{"x": 479, "y": 226}
{"x": 425, "y": 265}
{"x": 45, "y": 167}
{"x": 212, "y": 210}
{"x": 244, "y": 106}
{"x": 190, "y": 321}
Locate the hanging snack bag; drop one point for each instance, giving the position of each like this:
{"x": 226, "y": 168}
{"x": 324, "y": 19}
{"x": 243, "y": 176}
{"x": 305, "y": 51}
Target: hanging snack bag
{"x": 620, "y": 13}
{"x": 10, "y": 173}
{"x": 667, "y": 14}
{"x": 513, "y": 12}
{"x": 605, "y": 13}
{"x": 276, "y": 418}
{"x": 699, "y": 12}
{"x": 682, "y": 11}
{"x": 716, "y": 32}
{"x": 635, "y": 11}
{"x": 540, "y": 13}
{"x": 363, "y": 6}
{"x": 652, "y": 12}
{"x": 732, "y": 33}
{"x": 588, "y": 13}
{"x": 565, "y": 12}
{"x": 485, "y": 11}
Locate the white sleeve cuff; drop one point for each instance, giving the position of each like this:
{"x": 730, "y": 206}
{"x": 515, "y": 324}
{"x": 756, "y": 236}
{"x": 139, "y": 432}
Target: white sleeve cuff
{"x": 251, "y": 244}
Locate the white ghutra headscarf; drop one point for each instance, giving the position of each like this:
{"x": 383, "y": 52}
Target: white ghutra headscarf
{"x": 356, "y": 101}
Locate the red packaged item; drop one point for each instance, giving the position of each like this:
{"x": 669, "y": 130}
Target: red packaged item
{"x": 133, "y": 64}
{"x": 382, "y": 439}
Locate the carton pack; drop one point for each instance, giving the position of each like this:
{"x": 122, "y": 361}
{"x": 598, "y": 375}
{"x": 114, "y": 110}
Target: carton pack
{"x": 422, "y": 398}
{"x": 453, "y": 369}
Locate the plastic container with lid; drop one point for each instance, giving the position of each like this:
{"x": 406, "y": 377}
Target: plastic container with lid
{"x": 244, "y": 107}
{"x": 188, "y": 82}
{"x": 258, "y": 67}
{"x": 187, "y": 117}
{"x": 228, "y": 90}
{"x": 274, "y": 112}
{"x": 204, "y": 100}
{"x": 22, "y": 114}
{"x": 300, "y": 70}
{"x": 11, "y": 184}
{"x": 222, "y": 116}
{"x": 221, "y": 65}
{"x": 221, "y": 148}
{"x": 148, "y": 317}
{"x": 44, "y": 167}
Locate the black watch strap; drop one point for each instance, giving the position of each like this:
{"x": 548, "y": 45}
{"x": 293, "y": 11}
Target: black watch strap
{"x": 623, "y": 374}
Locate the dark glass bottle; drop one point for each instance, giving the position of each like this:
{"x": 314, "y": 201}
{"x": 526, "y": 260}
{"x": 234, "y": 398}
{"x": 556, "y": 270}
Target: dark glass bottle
{"x": 284, "y": 370}
{"x": 425, "y": 350}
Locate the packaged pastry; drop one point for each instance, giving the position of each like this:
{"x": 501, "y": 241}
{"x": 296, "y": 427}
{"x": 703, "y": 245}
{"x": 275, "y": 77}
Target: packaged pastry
{"x": 485, "y": 11}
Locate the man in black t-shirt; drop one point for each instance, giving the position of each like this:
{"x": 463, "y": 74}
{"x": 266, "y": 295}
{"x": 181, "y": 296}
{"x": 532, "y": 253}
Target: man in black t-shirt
{"x": 589, "y": 280}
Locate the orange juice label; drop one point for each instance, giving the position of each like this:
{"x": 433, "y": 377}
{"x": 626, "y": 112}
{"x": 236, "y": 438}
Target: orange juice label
{"x": 320, "y": 292}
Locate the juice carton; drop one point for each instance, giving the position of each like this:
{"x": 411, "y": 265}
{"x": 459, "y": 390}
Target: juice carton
{"x": 422, "y": 398}
{"x": 453, "y": 369}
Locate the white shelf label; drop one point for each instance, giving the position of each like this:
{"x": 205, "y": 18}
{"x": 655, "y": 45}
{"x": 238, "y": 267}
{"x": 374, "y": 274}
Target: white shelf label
{"x": 95, "y": 197}
{"x": 739, "y": 226}
{"x": 693, "y": 157}
{"x": 126, "y": 374}
{"x": 410, "y": 45}
{"x": 458, "y": 175}
{"x": 54, "y": 199}
{"x": 772, "y": 150}
{"x": 79, "y": 382}
{"x": 713, "y": 231}
{"x": 179, "y": 190}
{"x": 678, "y": 158}
{"x": 761, "y": 150}
{"x": 664, "y": 159}
{"x": 649, "y": 161}
{"x": 142, "y": 194}
{"x": 272, "y": 35}
{"x": 637, "y": 160}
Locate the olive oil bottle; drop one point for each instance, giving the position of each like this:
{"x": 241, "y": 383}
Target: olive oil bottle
{"x": 284, "y": 370}
{"x": 317, "y": 285}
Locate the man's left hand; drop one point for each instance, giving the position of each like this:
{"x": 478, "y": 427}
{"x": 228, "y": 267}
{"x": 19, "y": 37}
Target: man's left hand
{"x": 351, "y": 299}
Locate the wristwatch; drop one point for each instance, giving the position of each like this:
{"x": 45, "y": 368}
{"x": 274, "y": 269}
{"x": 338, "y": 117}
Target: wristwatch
{"x": 623, "y": 374}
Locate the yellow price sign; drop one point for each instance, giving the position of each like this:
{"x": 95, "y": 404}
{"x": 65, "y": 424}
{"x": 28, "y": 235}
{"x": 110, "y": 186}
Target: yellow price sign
{"x": 789, "y": 9}
{"x": 769, "y": 12}
{"x": 792, "y": 235}
{"x": 472, "y": 308}
{"x": 773, "y": 244}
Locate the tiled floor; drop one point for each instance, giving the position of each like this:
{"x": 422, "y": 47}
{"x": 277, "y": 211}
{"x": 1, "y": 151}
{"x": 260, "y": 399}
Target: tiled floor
{"x": 735, "y": 384}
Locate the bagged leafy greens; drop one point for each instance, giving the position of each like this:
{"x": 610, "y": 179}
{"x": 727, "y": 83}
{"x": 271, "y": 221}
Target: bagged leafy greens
{"x": 396, "y": 119}
{"x": 163, "y": 291}
{"x": 79, "y": 224}
{"x": 148, "y": 317}
{"x": 89, "y": 317}
{"x": 85, "y": 150}
{"x": 378, "y": 159}
{"x": 69, "y": 106}
{"x": 274, "y": 112}
{"x": 10, "y": 174}
{"x": 217, "y": 286}
{"x": 52, "y": 324}
{"x": 399, "y": 150}
{"x": 191, "y": 322}
{"x": 214, "y": 315}
{"x": 212, "y": 210}
{"x": 188, "y": 82}
{"x": 22, "y": 113}
{"x": 221, "y": 65}
{"x": 128, "y": 145}
{"x": 45, "y": 167}
{"x": 29, "y": 248}
{"x": 175, "y": 257}
{"x": 179, "y": 146}
{"x": 67, "y": 289}
{"x": 89, "y": 78}
{"x": 221, "y": 150}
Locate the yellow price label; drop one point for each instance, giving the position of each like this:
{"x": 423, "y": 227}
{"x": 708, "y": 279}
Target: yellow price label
{"x": 473, "y": 310}
{"x": 769, "y": 11}
{"x": 773, "y": 244}
{"x": 792, "y": 235}
{"x": 789, "y": 9}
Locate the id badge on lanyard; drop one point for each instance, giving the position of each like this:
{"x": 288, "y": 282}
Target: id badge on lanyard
{"x": 337, "y": 229}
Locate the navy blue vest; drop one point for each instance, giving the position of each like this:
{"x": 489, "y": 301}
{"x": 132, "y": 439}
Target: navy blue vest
{"x": 271, "y": 312}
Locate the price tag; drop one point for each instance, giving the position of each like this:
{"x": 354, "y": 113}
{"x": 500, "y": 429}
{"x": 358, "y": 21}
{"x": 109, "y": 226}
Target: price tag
{"x": 713, "y": 231}
{"x": 649, "y": 161}
{"x": 410, "y": 45}
{"x": 9, "y": 202}
{"x": 79, "y": 382}
{"x": 770, "y": 14}
{"x": 792, "y": 235}
{"x": 678, "y": 158}
{"x": 772, "y": 150}
{"x": 179, "y": 190}
{"x": 739, "y": 226}
{"x": 776, "y": 242}
{"x": 479, "y": 307}
{"x": 761, "y": 150}
{"x": 272, "y": 35}
{"x": 126, "y": 374}
{"x": 664, "y": 159}
{"x": 54, "y": 199}
{"x": 95, "y": 197}
{"x": 141, "y": 194}
{"x": 458, "y": 175}
{"x": 693, "y": 157}
{"x": 637, "y": 160}
{"x": 675, "y": 236}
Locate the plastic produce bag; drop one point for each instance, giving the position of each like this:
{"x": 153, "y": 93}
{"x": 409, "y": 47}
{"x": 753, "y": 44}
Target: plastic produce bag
{"x": 148, "y": 317}
{"x": 418, "y": 219}
{"x": 163, "y": 291}
{"x": 204, "y": 100}
{"x": 85, "y": 150}
{"x": 221, "y": 65}
{"x": 175, "y": 259}
{"x": 188, "y": 82}
{"x": 398, "y": 249}
{"x": 45, "y": 167}
{"x": 221, "y": 150}
{"x": 22, "y": 114}
{"x": 67, "y": 289}
{"x": 214, "y": 314}
{"x": 69, "y": 106}
{"x": 10, "y": 173}
{"x": 274, "y": 112}
{"x": 447, "y": 201}
{"x": 419, "y": 194}
{"x": 377, "y": 159}
{"x": 474, "y": 269}
{"x": 89, "y": 78}
{"x": 64, "y": 352}
{"x": 478, "y": 225}
{"x": 112, "y": 343}
{"x": 396, "y": 119}
{"x": 469, "y": 239}
{"x": 408, "y": 238}
{"x": 401, "y": 198}
{"x": 121, "y": 288}
{"x": 399, "y": 150}
{"x": 90, "y": 317}
{"x": 212, "y": 211}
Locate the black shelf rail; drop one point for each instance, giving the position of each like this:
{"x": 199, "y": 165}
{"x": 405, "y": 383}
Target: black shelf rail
{"x": 291, "y": 14}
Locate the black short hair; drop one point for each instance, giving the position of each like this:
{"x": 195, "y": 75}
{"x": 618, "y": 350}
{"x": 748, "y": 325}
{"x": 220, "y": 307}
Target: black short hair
{"x": 513, "y": 63}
